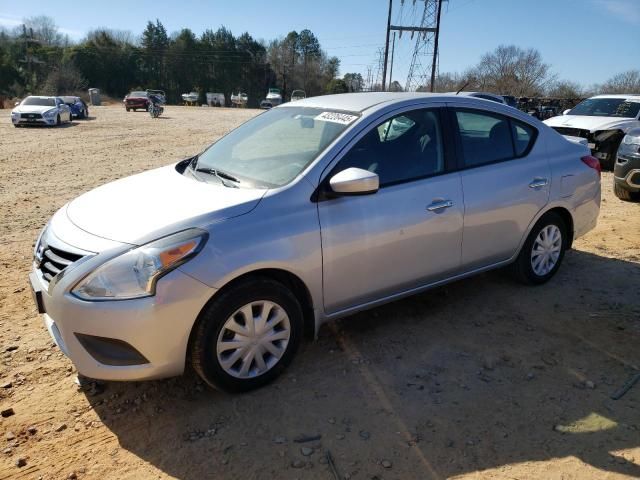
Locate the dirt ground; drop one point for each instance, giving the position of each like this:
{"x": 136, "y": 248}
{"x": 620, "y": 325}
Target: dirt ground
{"x": 483, "y": 378}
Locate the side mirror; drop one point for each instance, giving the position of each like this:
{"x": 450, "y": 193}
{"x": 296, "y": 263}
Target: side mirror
{"x": 354, "y": 181}
{"x": 16, "y": 104}
{"x": 566, "y": 112}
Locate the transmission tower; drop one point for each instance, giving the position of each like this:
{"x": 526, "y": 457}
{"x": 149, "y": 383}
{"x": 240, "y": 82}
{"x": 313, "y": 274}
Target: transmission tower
{"x": 425, "y": 52}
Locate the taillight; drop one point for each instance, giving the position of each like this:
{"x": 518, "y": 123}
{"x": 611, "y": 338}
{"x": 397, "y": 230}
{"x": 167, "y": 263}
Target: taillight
{"x": 592, "y": 162}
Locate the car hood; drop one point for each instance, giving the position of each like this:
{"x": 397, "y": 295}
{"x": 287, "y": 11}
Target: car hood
{"x": 592, "y": 123}
{"x": 32, "y": 108}
{"x": 130, "y": 209}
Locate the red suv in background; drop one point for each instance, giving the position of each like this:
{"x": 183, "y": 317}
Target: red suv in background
{"x": 140, "y": 99}
{"x": 136, "y": 100}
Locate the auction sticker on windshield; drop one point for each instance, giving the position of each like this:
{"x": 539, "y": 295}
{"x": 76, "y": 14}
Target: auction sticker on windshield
{"x": 335, "y": 117}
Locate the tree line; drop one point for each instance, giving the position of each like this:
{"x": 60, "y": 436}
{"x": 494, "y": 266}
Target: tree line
{"x": 510, "y": 70}
{"x": 36, "y": 58}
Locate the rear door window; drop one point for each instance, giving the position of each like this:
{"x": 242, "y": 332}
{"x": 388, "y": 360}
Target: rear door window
{"x": 487, "y": 137}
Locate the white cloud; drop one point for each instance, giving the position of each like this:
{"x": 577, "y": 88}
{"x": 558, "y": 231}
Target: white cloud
{"x": 6, "y": 21}
{"x": 627, "y": 10}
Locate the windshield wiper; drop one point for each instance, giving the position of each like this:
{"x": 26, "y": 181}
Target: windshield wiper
{"x": 222, "y": 176}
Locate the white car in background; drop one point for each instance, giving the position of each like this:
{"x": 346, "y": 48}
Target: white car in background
{"x": 603, "y": 120}
{"x": 35, "y": 110}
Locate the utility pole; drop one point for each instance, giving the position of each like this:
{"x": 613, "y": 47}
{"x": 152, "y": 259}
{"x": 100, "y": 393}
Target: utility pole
{"x": 393, "y": 49}
{"x": 424, "y": 60}
{"x": 435, "y": 48}
{"x": 386, "y": 49}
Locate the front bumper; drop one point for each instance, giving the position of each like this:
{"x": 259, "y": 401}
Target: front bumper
{"x": 136, "y": 104}
{"x": 603, "y": 143}
{"x": 34, "y": 121}
{"x": 157, "y": 327}
{"x": 626, "y": 172}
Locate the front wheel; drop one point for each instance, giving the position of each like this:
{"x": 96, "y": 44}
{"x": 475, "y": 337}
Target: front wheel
{"x": 247, "y": 336}
{"x": 543, "y": 251}
{"x": 58, "y": 121}
{"x": 624, "y": 194}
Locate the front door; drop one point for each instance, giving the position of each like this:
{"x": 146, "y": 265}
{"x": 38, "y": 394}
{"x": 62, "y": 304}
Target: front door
{"x": 407, "y": 234}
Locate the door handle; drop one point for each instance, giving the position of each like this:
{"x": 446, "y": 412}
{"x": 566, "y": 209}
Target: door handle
{"x": 439, "y": 205}
{"x": 538, "y": 183}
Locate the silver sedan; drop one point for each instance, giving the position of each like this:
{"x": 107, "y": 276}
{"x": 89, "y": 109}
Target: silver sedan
{"x": 309, "y": 212}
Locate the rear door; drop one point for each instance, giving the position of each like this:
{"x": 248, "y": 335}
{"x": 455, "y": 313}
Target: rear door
{"x": 505, "y": 181}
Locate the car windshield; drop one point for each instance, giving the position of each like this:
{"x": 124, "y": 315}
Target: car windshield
{"x": 45, "y": 102}
{"x": 607, "y": 107}
{"x": 138, "y": 94}
{"x": 69, "y": 100}
{"x": 273, "y": 148}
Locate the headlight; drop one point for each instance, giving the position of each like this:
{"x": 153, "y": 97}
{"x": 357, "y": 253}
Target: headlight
{"x": 134, "y": 273}
{"x": 15, "y": 114}
{"x": 50, "y": 113}
{"x": 631, "y": 140}
{"x": 39, "y": 239}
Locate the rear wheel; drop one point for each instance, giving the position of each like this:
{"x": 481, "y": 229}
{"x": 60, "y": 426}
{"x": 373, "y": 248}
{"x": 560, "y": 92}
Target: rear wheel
{"x": 247, "y": 336}
{"x": 543, "y": 251}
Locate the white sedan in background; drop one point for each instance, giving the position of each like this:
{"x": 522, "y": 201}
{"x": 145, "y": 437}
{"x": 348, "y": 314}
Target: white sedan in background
{"x": 41, "y": 111}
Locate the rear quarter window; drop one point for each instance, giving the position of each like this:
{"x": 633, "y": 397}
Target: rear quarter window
{"x": 524, "y": 137}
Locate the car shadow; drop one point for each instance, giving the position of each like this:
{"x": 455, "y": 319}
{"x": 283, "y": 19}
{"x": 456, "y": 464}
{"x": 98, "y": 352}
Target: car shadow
{"x": 480, "y": 374}
{"x": 62, "y": 125}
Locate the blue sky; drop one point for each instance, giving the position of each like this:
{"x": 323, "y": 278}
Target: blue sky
{"x": 586, "y": 41}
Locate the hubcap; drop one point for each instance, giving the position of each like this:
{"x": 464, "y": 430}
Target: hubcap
{"x": 546, "y": 250}
{"x": 253, "y": 339}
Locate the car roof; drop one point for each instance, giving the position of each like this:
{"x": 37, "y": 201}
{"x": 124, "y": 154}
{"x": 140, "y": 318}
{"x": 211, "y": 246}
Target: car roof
{"x": 631, "y": 96}
{"x": 42, "y": 96}
{"x": 359, "y": 102}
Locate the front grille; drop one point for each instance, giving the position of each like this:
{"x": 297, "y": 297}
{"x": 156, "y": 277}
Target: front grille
{"x": 574, "y": 132}
{"x": 30, "y": 115}
{"x": 53, "y": 261}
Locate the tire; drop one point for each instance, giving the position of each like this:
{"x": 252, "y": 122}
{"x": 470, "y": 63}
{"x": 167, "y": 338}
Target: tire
{"x": 127, "y": 109}
{"x": 624, "y": 194}
{"x": 536, "y": 271}
{"x": 211, "y": 335}
{"x": 58, "y": 121}
{"x": 81, "y": 115}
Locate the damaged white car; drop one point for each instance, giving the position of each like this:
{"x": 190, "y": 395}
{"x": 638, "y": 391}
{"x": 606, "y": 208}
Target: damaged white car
{"x": 603, "y": 120}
